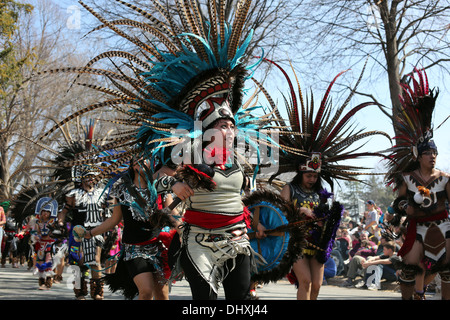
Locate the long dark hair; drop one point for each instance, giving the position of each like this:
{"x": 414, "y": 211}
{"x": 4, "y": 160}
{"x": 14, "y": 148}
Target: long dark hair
{"x": 132, "y": 174}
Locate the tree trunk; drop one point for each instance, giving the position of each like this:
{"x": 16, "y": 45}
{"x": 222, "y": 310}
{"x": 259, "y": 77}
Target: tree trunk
{"x": 389, "y": 16}
{"x": 4, "y": 168}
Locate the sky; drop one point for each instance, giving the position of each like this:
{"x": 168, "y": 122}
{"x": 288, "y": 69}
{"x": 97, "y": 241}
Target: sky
{"x": 370, "y": 118}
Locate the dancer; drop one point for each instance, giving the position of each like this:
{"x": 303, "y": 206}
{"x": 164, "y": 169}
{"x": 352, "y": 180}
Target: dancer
{"x": 140, "y": 269}
{"x": 74, "y": 184}
{"x": 46, "y": 212}
{"x": 2, "y": 226}
{"x": 422, "y": 189}
{"x": 187, "y": 81}
{"x": 215, "y": 248}
{"x": 25, "y": 212}
{"x": 304, "y": 192}
{"x": 172, "y": 233}
{"x": 86, "y": 205}
{"x": 9, "y": 245}
{"x": 321, "y": 141}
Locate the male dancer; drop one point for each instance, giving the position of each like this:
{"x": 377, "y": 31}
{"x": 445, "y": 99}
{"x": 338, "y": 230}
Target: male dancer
{"x": 87, "y": 205}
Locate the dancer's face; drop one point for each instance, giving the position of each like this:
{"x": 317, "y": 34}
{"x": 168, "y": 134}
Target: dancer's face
{"x": 227, "y": 131}
{"x": 44, "y": 215}
{"x": 309, "y": 179}
{"x": 88, "y": 182}
{"x": 427, "y": 159}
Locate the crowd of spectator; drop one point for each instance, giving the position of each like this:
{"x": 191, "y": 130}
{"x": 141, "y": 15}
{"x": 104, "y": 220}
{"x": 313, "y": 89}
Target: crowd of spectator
{"x": 365, "y": 249}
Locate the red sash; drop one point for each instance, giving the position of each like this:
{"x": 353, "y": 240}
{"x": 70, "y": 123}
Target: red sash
{"x": 212, "y": 221}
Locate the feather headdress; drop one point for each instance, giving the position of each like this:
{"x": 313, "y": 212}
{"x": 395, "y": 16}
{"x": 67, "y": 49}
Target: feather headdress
{"x": 25, "y": 202}
{"x": 413, "y": 126}
{"x": 58, "y": 176}
{"x": 319, "y": 140}
{"x": 192, "y": 69}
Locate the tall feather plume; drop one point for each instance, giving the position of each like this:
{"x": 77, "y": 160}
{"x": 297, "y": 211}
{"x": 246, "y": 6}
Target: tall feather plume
{"x": 295, "y": 117}
{"x": 323, "y": 104}
{"x": 222, "y": 5}
{"x": 331, "y": 123}
{"x": 243, "y": 7}
{"x": 154, "y": 21}
{"x": 59, "y": 175}
{"x": 198, "y": 20}
{"x": 192, "y": 29}
{"x": 81, "y": 112}
{"x": 121, "y": 33}
{"x": 155, "y": 89}
{"x": 412, "y": 125}
{"x": 142, "y": 26}
{"x": 212, "y": 10}
{"x": 322, "y": 131}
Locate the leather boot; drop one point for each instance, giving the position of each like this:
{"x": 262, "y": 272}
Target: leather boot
{"x": 48, "y": 282}
{"x": 42, "y": 284}
{"x": 82, "y": 292}
{"x": 57, "y": 279}
{"x": 96, "y": 289}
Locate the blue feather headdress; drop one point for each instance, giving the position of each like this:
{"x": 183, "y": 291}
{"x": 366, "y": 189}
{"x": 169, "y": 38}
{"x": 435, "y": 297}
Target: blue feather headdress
{"x": 190, "y": 74}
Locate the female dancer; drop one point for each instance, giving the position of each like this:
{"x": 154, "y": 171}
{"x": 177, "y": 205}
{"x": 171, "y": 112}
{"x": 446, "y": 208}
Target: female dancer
{"x": 141, "y": 257}
{"x": 46, "y": 211}
{"x": 321, "y": 144}
{"x": 215, "y": 248}
{"x": 436, "y": 181}
{"x": 304, "y": 192}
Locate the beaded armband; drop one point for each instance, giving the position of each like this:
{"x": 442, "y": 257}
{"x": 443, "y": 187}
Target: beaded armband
{"x": 165, "y": 184}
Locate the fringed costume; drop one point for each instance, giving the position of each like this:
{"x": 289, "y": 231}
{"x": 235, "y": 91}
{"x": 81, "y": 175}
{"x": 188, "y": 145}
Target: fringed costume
{"x": 214, "y": 234}
{"x": 85, "y": 204}
{"x": 39, "y": 239}
{"x": 421, "y": 200}
{"x": 8, "y": 247}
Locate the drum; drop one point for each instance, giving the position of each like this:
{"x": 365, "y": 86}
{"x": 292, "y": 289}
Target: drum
{"x": 273, "y": 247}
{"x": 278, "y": 251}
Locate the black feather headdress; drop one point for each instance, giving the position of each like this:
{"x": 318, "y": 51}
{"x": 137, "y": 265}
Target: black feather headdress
{"x": 64, "y": 171}
{"x": 319, "y": 140}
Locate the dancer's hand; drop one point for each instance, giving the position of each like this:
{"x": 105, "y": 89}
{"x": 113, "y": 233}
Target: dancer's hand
{"x": 88, "y": 234}
{"x": 182, "y": 190}
{"x": 307, "y": 212}
{"x": 260, "y": 231}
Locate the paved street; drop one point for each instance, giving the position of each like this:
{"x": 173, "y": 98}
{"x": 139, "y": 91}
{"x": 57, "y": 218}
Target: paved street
{"x": 19, "y": 292}
{"x": 20, "y": 284}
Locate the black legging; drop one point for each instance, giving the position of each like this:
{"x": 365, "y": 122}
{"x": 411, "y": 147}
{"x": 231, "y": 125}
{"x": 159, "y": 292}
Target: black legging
{"x": 236, "y": 284}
